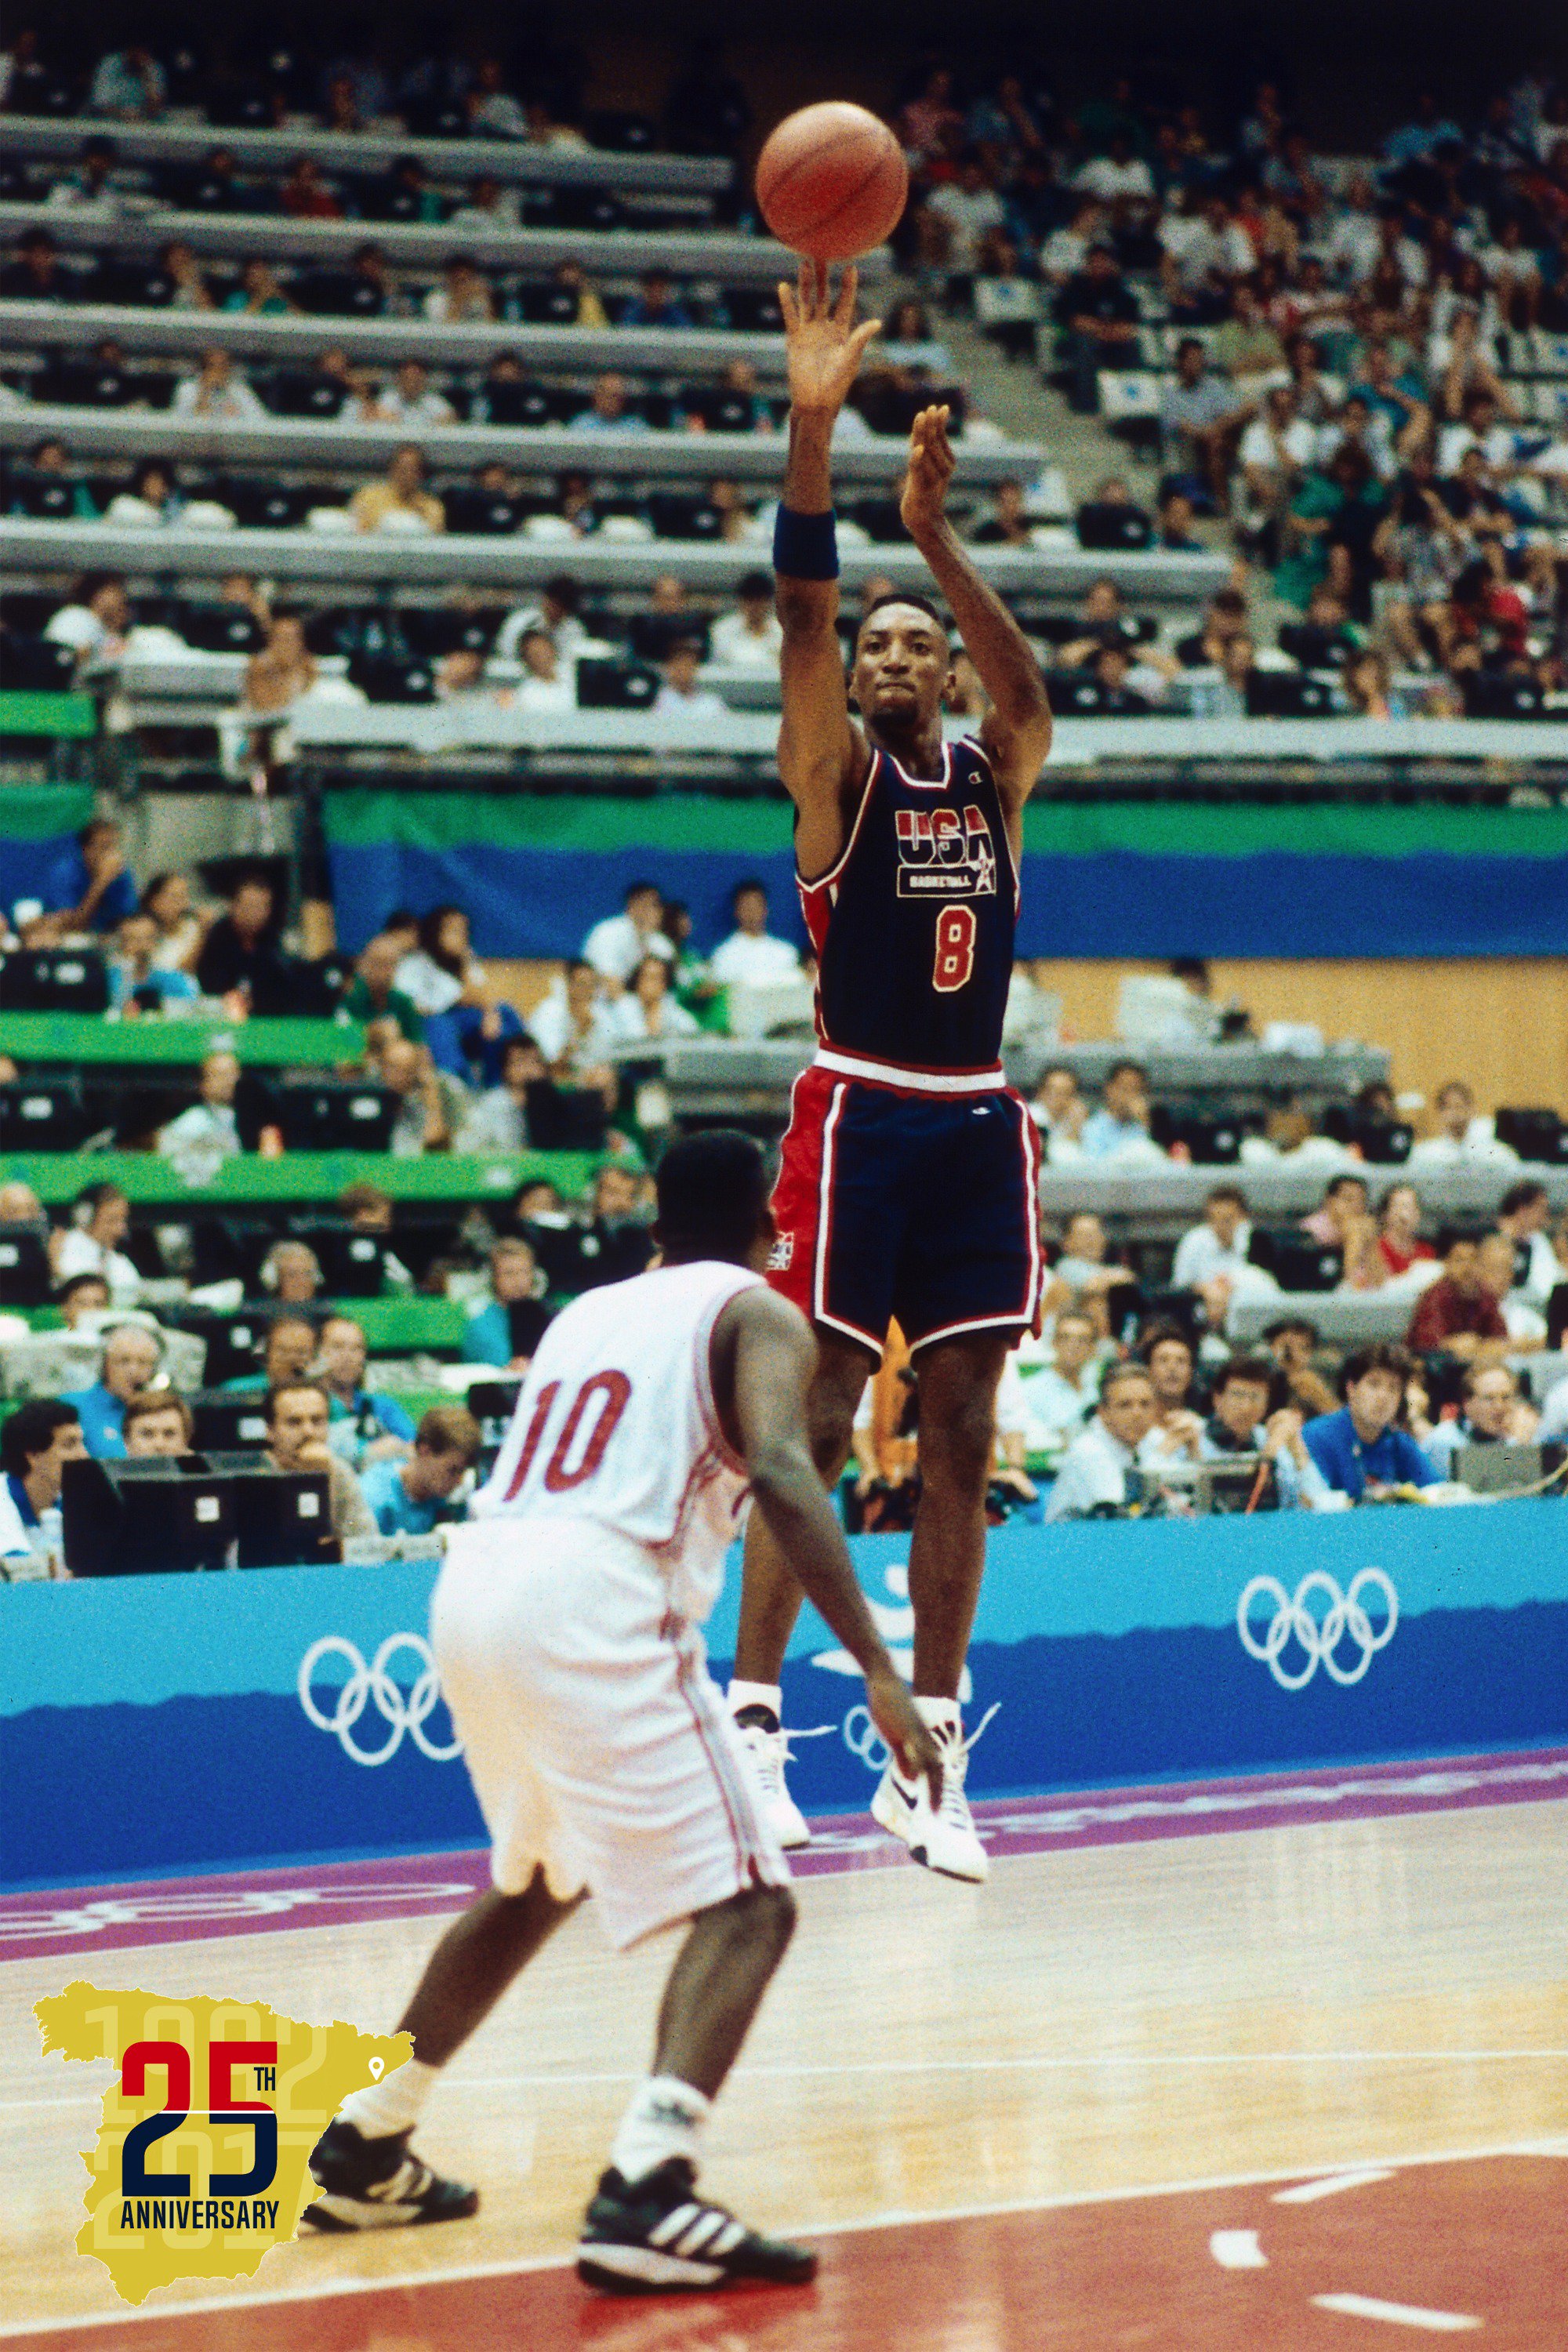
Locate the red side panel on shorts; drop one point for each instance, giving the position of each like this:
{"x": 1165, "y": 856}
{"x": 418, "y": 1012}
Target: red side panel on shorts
{"x": 798, "y": 1195}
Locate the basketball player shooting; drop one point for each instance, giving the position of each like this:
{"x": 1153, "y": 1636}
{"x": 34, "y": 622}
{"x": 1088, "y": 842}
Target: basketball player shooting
{"x": 908, "y": 1183}
{"x": 566, "y": 1626}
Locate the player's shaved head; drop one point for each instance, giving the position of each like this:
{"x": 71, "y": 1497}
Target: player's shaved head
{"x": 712, "y": 1197}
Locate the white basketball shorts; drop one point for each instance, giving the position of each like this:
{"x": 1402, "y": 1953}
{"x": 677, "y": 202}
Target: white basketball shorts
{"x": 598, "y": 1744}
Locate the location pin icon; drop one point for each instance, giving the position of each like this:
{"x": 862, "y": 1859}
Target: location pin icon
{"x": 377, "y": 2069}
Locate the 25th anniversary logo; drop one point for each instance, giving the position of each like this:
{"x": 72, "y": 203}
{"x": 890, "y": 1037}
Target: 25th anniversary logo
{"x": 201, "y": 2160}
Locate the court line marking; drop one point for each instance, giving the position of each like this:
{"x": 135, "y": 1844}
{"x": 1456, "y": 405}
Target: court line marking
{"x": 1402, "y": 2314}
{"x": 899, "y": 2219}
{"x": 1311, "y": 2191}
{"x": 1052, "y": 2062}
{"x": 1237, "y": 2250}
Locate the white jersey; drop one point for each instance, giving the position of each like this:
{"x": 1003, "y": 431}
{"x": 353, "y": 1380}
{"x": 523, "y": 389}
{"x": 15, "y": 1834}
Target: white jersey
{"x": 617, "y": 1425}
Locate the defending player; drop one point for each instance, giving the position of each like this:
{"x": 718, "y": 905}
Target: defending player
{"x": 908, "y": 1183}
{"x": 564, "y": 1626}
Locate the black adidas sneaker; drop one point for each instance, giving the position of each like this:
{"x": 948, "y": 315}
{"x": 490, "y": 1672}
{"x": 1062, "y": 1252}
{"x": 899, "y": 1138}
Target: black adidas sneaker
{"x": 377, "y": 2184}
{"x": 657, "y": 2237}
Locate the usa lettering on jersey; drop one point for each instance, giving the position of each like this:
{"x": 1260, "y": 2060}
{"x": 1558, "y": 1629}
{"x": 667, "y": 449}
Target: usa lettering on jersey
{"x": 945, "y": 855}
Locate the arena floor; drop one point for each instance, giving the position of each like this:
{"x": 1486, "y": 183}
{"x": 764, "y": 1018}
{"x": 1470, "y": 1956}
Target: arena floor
{"x": 1270, "y": 2065}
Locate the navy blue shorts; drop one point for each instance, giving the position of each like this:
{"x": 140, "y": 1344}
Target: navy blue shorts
{"x": 916, "y": 1208}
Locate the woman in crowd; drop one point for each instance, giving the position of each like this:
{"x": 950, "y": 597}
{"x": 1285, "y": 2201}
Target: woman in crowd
{"x": 648, "y": 1009}
{"x": 167, "y": 898}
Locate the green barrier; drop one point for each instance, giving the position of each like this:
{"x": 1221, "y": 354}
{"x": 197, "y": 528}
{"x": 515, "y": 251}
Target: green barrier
{"x": 84, "y": 1038}
{"x": 297, "y": 1176}
{"x": 71, "y": 715}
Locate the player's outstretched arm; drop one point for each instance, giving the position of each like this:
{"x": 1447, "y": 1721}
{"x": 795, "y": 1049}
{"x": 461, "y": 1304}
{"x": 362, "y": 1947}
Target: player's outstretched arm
{"x": 1017, "y": 730}
{"x": 822, "y": 753}
{"x": 771, "y": 1358}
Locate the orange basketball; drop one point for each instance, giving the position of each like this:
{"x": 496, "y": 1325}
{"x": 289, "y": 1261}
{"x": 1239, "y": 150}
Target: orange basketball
{"x": 832, "y": 180}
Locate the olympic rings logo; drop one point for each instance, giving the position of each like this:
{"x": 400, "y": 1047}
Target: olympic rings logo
{"x": 863, "y": 1739}
{"x": 404, "y": 1712}
{"x": 1319, "y": 1638}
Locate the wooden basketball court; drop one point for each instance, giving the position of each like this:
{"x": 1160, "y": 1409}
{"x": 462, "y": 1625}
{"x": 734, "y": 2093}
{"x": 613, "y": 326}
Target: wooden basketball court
{"x": 1290, "y": 2086}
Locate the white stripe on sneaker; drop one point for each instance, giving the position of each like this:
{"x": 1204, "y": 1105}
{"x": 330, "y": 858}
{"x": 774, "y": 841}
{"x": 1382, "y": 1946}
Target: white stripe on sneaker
{"x": 673, "y": 2224}
{"x": 646, "y": 2264}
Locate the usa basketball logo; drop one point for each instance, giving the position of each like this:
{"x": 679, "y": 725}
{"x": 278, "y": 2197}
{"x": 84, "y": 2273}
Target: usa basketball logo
{"x": 943, "y": 855}
{"x": 781, "y": 1257}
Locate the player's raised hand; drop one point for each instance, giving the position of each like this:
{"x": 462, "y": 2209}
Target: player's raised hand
{"x": 823, "y": 342}
{"x": 897, "y": 1717}
{"x": 931, "y": 468}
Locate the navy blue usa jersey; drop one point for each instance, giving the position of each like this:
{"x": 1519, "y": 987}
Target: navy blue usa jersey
{"x": 913, "y": 925}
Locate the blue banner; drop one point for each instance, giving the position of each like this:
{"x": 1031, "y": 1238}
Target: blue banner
{"x": 165, "y": 1724}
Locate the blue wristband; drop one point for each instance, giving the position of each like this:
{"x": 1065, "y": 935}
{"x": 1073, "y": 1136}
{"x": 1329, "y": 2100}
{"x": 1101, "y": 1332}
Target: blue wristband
{"x": 805, "y": 545}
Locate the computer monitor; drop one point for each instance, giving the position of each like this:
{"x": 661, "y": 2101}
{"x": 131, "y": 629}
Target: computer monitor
{"x": 352, "y": 1263}
{"x": 41, "y": 1115}
{"x": 335, "y": 1115}
{"x": 1228, "y": 1487}
{"x": 25, "y": 1276}
{"x": 282, "y": 1519}
{"x": 53, "y": 980}
{"x": 228, "y": 1423}
{"x": 146, "y": 1519}
{"x": 1505, "y": 1469}
{"x": 233, "y": 1341}
{"x": 1296, "y": 1261}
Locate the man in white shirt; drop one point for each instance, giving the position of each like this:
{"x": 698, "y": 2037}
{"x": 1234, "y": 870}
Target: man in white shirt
{"x": 1462, "y": 1140}
{"x": 554, "y": 610}
{"x": 1047, "y": 1404}
{"x": 1212, "y": 1260}
{"x": 200, "y": 1139}
{"x": 751, "y": 957}
{"x": 544, "y": 685}
{"x": 1523, "y": 1215}
{"x": 1059, "y": 1111}
{"x": 965, "y": 210}
{"x": 616, "y": 947}
{"x": 1102, "y": 1467}
{"x": 1355, "y": 241}
{"x": 750, "y": 637}
{"x": 94, "y": 622}
{"x": 571, "y": 1027}
{"x": 1121, "y": 173}
{"x": 410, "y": 401}
{"x": 681, "y": 697}
{"x": 218, "y": 395}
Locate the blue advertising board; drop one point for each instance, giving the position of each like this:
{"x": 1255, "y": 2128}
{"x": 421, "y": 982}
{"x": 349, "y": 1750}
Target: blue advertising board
{"x": 162, "y": 1724}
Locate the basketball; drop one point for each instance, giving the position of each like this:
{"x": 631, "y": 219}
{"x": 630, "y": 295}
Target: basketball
{"x": 832, "y": 180}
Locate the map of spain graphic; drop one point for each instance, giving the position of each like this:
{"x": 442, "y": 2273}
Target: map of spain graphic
{"x": 200, "y": 2163}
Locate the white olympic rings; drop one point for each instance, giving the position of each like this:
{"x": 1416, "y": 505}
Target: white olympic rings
{"x": 403, "y": 1711}
{"x": 1319, "y": 1638}
{"x": 863, "y": 1739}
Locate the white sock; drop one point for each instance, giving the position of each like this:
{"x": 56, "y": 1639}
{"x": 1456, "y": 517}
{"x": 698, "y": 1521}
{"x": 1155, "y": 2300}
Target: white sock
{"x": 768, "y": 1694}
{"x": 665, "y": 2119}
{"x": 940, "y": 1714}
{"x": 394, "y": 2104}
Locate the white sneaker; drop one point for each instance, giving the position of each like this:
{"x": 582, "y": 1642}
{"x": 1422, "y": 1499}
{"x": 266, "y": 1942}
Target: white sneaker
{"x": 943, "y": 1838}
{"x": 768, "y": 1752}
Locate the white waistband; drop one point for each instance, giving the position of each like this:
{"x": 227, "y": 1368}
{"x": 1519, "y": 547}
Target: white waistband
{"x": 923, "y": 1082}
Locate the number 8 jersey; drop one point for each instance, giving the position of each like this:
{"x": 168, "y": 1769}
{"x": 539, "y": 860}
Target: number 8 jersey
{"x": 914, "y": 925}
{"x": 616, "y": 1425}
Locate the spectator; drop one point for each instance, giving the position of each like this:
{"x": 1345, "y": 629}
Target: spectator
{"x": 616, "y": 945}
{"x": 288, "y": 1353}
{"x": 1360, "y": 1449}
{"x": 1493, "y": 1413}
{"x": 190, "y": 290}
{"x": 1171, "y": 1362}
{"x": 130, "y": 83}
{"x": 240, "y": 956}
{"x": 680, "y": 695}
{"x": 1526, "y": 1325}
{"x": 1114, "y": 177}
{"x": 399, "y": 501}
{"x": 1213, "y": 1258}
{"x": 463, "y": 299}
{"x": 298, "y": 1419}
{"x": 258, "y": 295}
{"x": 656, "y": 303}
{"x": 1083, "y": 1268}
{"x": 83, "y": 1295}
{"x": 1327, "y": 638}
{"x": 489, "y": 208}
{"x": 197, "y": 1141}
{"x": 609, "y": 410}
{"x": 1101, "y": 1474}
{"x": 1119, "y": 1130}
{"x": 750, "y": 637}
{"x": 131, "y": 1356}
{"x": 418, "y": 1494}
{"x": 137, "y": 982}
{"x": 89, "y": 888}
{"x": 101, "y": 1219}
{"x": 498, "y": 1122}
{"x": 570, "y": 278}
{"x": 291, "y": 1272}
{"x": 35, "y": 1443}
{"x": 493, "y": 111}
{"x": 1342, "y": 1220}
{"x": 752, "y": 957}
{"x": 1397, "y": 1255}
{"x": 956, "y": 219}
{"x": 1274, "y": 453}
{"x": 647, "y": 1009}
{"x": 544, "y": 685}
{"x": 1059, "y": 1111}
{"x": 420, "y": 1121}
{"x": 1523, "y": 1215}
{"x": 574, "y": 1032}
{"x": 1098, "y": 312}
{"x": 1292, "y": 1342}
{"x": 412, "y": 403}
{"x": 553, "y": 613}
{"x": 364, "y": 1427}
{"x": 441, "y": 972}
{"x": 305, "y": 194}
{"x": 1240, "y": 1423}
{"x": 218, "y": 395}
{"x": 35, "y": 275}
{"x": 374, "y": 993}
{"x": 167, "y": 898}
{"x": 1051, "y": 1402}
{"x": 1225, "y": 620}
{"x": 1461, "y": 1139}
{"x": 1458, "y": 1315}
{"x": 1200, "y": 419}
{"x": 506, "y": 1329}
{"x": 157, "y": 1425}
{"x": 615, "y": 1243}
